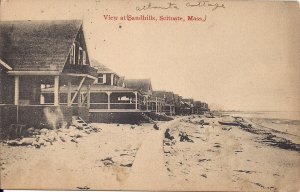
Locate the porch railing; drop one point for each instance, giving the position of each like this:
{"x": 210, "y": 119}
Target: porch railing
{"x": 117, "y": 106}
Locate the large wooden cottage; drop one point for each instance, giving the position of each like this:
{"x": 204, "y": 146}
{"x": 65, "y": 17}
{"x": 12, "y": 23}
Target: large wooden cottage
{"x": 177, "y": 104}
{"x": 187, "y": 106}
{"x": 162, "y": 102}
{"x": 169, "y": 107}
{"x": 37, "y": 56}
{"x": 115, "y": 99}
{"x": 156, "y": 101}
{"x": 142, "y": 85}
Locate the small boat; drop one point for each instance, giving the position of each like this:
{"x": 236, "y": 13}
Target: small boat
{"x": 229, "y": 123}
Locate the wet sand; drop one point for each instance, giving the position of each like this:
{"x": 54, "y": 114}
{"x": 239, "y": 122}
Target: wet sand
{"x": 138, "y": 157}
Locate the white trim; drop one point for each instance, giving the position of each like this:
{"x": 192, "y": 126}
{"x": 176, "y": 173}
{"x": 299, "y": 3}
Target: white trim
{"x": 112, "y": 79}
{"x": 49, "y": 73}
{"x": 56, "y": 90}
{"x": 17, "y": 90}
{"x": 79, "y": 75}
{"x": 116, "y": 110}
{"x": 5, "y": 65}
{"x": 34, "y": 72}
{"x": 104, "y": 78}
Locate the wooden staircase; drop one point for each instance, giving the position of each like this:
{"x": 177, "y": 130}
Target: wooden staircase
{"x": 79, "y": 122}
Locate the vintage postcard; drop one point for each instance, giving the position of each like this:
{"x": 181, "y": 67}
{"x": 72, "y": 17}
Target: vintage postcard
{"x": 170, "y": 95}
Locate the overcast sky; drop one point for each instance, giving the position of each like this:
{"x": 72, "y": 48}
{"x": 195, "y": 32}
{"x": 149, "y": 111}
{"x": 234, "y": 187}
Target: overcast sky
{"x": 243, "y": 57}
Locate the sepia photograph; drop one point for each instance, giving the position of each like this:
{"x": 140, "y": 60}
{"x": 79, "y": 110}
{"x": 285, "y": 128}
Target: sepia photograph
{"x": 169, "y": 95}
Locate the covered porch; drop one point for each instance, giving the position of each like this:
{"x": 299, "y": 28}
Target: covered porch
{"x": 169, "y": 109}
{"x": 117, "y": 101}
{"x": 34, "y": 106}
{"x": 156, "y": 104}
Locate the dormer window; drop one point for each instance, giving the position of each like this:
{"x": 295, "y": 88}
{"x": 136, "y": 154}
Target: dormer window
{"x": 84, "y": 57}
{"x": 101, "y": 78}
{"x": 72, "y": 54}
{"x": 80, "y": 56}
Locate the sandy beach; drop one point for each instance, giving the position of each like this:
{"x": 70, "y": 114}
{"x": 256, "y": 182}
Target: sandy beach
{"x": 121, "y": 156}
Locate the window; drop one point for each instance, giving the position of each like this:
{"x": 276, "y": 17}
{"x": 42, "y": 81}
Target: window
{"x": 80, "y": 56}
{"x": 84, "y": 57}
{"x": 72, "y": 54}
{"x": 100, "y": 78}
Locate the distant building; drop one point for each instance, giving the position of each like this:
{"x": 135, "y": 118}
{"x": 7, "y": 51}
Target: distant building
{"x": 113, "y": 99}
{"x": 187, "y": 106}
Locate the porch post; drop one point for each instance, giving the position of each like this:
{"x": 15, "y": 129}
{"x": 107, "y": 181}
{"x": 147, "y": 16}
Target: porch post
{"x": 79, "y": 98}
{"x": 88, "y": 102}
{"x": 136, "y": 100}
{"x": 17, "y": 89}
{"x": 147, "y": 107}
{"x": 160, "y": 107}
{"x": 156, "y": 104}
{"x": 56, "y": 90}
{"x": 170, "y": 110}
{"x": 69, "y": 93}
{"x": 108, "y": 99}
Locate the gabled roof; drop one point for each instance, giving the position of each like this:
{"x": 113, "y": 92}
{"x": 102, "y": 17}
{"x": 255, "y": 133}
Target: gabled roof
{"x": 165, "y": 95}
{"x": 188, "y": 100}
{"x": 158, "y": 94}
{"x": 37, "y": 45}
{"x": 177, "y": 97}
{"x": 169, "y": 97}
{"x": 100, "y": 67}
{"x": 197, "y": 103}
{"x": 143, "y": 85}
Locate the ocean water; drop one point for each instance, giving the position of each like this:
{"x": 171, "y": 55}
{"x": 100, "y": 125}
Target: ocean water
{"x": 289, "y": 115}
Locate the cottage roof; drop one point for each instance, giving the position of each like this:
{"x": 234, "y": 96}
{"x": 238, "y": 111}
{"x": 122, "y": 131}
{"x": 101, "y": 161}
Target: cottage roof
{"x": 143, "y": 85}
{"x": 169, "y": 96}
{"x": 188, "y": 100}
{"x": 100, "y": 67}
{"x": 158, "y": 94}
{"x": 197, "y": 103}
{"x": 37, "y": 45}
{"x": 177, "y": 97}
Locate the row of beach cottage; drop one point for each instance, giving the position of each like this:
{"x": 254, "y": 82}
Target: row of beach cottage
{"x": 48, "y": 78}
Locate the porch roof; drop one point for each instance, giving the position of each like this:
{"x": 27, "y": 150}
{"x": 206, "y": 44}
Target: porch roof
{"x": 101, "y": 68}
{"x": 94, "y": 88}
{"x": 111, "y": 88}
